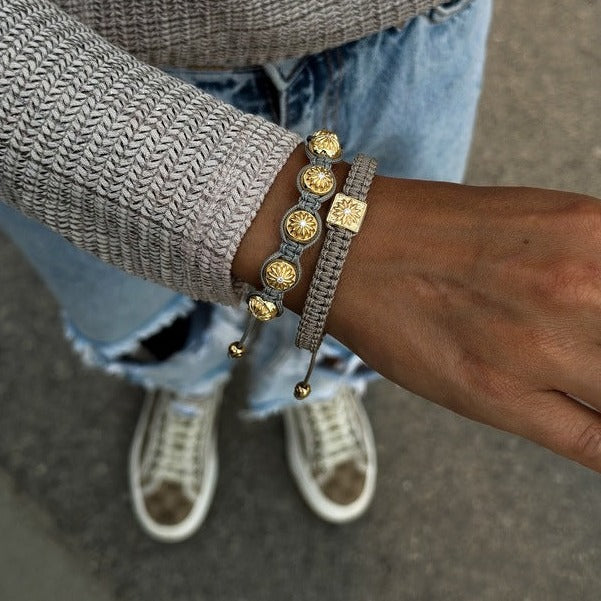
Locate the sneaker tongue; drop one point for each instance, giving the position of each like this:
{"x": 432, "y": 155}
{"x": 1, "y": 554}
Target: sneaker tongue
{"x": 185, "y": 409}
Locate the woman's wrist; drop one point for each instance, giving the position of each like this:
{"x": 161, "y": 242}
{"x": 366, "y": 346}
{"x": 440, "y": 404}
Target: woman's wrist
{"x": 263, "y": 236}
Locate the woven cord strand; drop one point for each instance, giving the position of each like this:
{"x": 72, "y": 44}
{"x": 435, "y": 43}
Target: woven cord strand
{"x": 323, "y": 286}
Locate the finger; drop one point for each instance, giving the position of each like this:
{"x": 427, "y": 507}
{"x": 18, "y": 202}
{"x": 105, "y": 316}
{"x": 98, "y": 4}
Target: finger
{"x": 562, "y": 425}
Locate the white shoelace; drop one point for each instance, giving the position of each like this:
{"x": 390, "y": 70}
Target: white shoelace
{"x": 334, "y": 433}
{"x": 180, "y": 431}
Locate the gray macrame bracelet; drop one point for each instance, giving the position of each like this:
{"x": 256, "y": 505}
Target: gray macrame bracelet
{"x": 300, "y": 227}
{"x": 343, "y": 222}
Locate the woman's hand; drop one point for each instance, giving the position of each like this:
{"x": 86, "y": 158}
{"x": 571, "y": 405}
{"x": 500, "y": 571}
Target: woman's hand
{"x": 486, "y": 301}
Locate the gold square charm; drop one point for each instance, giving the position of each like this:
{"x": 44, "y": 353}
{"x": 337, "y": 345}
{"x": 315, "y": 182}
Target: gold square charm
{"x": 347, "y": 212}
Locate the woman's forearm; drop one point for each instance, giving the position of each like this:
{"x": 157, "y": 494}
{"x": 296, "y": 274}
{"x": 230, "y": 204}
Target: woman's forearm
{"x": 143, "y": 170}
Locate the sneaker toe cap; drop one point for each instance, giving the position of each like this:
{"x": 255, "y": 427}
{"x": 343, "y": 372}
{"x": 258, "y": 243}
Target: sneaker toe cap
{"x": 346, "y": 484}
{"x": 168, "y": 505}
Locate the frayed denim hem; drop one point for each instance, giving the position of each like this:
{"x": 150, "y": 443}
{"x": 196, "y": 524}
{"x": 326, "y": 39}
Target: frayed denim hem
{"x": 99, "y": 354}
{"x": 200, "y": 366}
{"x": 269, "y": 400}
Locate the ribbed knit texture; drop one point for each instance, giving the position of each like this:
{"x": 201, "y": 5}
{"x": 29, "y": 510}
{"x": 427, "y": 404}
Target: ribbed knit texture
{"x": 140, "y": 168}
{"x": 137, "y": 167}
{"x": 234, "y": 33}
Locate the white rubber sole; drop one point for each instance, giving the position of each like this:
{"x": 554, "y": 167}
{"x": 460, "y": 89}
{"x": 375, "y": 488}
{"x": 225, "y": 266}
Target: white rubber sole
{"x": 200, "y": 509}
{"x": 310, "y": 491}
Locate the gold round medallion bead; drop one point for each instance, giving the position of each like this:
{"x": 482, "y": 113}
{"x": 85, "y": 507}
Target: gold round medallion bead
{"x": 318, "y": 180}
{"x": 325, "y": 142}
{"x": 262, "y": 309}
{"x": 280, "y": 274}
{"x": 301, "y": 226}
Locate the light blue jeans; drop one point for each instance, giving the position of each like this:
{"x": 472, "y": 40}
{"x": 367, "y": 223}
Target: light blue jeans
{"x": 406, "y": 95}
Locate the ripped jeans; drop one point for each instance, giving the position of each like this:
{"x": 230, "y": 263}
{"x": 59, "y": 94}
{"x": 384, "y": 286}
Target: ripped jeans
{"x": 406, "y": 95}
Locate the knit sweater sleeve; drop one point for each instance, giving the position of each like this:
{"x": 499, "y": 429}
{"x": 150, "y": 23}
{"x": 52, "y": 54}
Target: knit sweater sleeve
{"x": 133, "y": 165}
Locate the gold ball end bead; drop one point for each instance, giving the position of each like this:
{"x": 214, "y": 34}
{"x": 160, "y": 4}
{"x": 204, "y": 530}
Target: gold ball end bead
{"x": 236, "y": 350}
{"x": 302, "y": 390}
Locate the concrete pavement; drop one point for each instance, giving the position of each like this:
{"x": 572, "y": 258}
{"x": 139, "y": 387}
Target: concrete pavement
{"x": 33, "y": 562}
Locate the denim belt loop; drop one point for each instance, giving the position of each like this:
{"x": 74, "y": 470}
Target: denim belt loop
{"x": 282, "y": 74}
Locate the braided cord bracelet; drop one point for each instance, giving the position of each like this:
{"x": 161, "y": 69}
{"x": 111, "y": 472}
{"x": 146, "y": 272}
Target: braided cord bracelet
{"x": 300, "y": 227}
{"x": 343, "y": 222}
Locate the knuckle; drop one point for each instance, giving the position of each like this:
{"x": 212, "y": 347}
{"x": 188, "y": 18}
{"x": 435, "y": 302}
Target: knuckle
{"x": 587, "y": 444}
{"x": 572, "y": 283}
{"x": 586, "y": 216}
{"x": 579, "y": 214}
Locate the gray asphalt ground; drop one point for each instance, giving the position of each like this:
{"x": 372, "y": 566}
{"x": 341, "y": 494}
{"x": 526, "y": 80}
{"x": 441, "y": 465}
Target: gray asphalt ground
{"x": 462, "y": 512}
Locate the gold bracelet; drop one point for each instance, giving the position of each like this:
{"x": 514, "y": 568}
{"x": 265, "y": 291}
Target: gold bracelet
{"x": 300, "y": 227}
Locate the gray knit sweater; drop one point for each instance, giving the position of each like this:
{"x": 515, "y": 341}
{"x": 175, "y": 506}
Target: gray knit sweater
{"x": 135, "y": 166}
{"x": 234, "y": 33}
